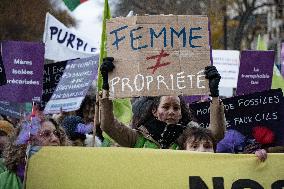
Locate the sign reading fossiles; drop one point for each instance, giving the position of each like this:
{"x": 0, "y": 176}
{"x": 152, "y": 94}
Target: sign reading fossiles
{"x": 73, "y": 86}
{"x": 51, "y": 77}
{"x": 23, "y": 62}
{"x": 158, "y": 55}
{"x": 256, "y": 69}
{"x": 243, "y": 113}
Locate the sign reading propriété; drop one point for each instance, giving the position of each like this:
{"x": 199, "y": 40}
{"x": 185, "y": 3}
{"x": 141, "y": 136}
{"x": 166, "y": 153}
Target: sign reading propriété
{"x": 158, "y": 55}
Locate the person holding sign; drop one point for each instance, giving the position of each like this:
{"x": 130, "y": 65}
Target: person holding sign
{"x": 163, "y": 121}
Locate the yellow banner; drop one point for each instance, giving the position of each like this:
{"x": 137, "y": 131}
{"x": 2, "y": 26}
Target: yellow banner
{"x": 74, "y": 167}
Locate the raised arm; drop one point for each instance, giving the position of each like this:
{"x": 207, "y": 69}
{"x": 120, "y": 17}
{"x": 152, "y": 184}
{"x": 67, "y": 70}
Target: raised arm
{"x": 122, "y": 134}
{"x": 217, "y": 116}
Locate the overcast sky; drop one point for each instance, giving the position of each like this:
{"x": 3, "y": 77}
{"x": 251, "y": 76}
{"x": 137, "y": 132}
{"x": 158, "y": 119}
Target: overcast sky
{"x": 88, "y": 16}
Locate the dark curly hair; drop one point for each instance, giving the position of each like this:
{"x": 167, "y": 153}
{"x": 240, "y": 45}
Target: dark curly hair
{"x": 142, "y": 111}
{"x": 196, "y": 134}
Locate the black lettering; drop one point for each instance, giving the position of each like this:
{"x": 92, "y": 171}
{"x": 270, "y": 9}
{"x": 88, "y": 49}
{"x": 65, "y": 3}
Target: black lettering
{"x": 246, "y": 183}
{"x": 279, "y": 184}
{"x": 218, "y": 182}
{"x": 53, "y": 31}
{"x": 79, "y": 43}
{"x": 195, "y": 182}
{"x": 70, "y": 40}
{"x": 85, "y": 46}
{"x": 58, "y": 37}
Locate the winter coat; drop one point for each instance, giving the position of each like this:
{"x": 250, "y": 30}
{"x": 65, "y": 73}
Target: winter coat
{"x": 128, "y": 137}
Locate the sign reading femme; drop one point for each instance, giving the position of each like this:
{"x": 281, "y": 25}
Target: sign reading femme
{"x": 74, "y": 85}
{"x": 245, "y": 112}
{"x": 158, "y": 55}
{"x": 23, "y": 62}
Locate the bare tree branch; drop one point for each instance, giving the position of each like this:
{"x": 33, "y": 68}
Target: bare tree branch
{"x": 263, "y": 5}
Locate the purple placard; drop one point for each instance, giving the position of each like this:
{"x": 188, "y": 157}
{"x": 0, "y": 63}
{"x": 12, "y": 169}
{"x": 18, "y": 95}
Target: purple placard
{"x": 23, "y": 62}
{"x": 282, "y": 59}
{"x": 73, "y": 85}
{"x": 256, "y": 70}
{"x": 195, "y": 98}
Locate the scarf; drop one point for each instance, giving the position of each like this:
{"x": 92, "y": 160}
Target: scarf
{"x": 162, "y": 133}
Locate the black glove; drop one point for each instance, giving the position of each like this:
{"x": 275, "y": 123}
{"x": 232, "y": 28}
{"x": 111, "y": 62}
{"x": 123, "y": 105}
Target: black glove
{"x": 107, "y": 66}
{"x": 214, "y": 77}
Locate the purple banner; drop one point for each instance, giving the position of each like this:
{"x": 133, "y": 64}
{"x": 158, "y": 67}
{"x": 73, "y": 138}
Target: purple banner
{"x": 23, "y": 62}
{"x": 282, "y": 59}
{"x": 73, "y": 86}
{"x": 256, "y": 70}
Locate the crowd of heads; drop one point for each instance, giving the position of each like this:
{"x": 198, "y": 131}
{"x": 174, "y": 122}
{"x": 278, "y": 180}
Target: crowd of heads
{"x": 74, "y": 128}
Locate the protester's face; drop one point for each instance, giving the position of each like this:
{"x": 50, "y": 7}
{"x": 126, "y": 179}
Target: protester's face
{"x": 169, "y": 110}
{"x": 3, "y": 140}
{"x": 47, "y": 135}
{"x": 200, "y": 146}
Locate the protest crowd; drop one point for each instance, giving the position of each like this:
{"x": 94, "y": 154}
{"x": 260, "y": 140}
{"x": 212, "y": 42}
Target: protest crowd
{"x": 113, "y": 100}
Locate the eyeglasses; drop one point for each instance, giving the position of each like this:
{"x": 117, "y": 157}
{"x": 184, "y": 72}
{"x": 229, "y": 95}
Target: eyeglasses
{"x": 48, "y": 133}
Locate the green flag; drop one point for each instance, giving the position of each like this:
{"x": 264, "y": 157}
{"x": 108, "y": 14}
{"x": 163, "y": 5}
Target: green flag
{"x": 122, "y": 108}
{"x": 277, "y": 79}
{"x": 261, "y": 45}
{"x": 73, "y": 4}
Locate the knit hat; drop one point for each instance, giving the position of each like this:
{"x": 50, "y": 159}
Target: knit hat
{"x": 75, "y": 127}
{"x": 6, "y": 127}
{"x": 263, "y": 135}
